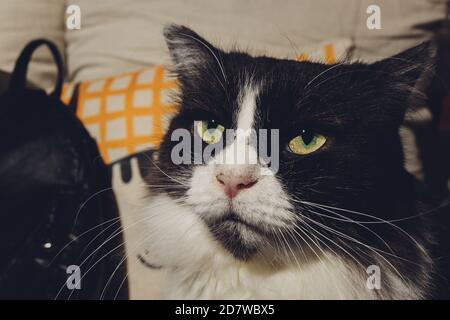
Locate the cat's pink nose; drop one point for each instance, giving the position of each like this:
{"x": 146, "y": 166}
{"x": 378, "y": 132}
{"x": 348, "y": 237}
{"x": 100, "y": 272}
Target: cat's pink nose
{"x": 234, "y": 182}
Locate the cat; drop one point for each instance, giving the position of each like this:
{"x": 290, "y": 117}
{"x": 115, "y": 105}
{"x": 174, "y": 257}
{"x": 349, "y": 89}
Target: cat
{"x": 340, "y": 218}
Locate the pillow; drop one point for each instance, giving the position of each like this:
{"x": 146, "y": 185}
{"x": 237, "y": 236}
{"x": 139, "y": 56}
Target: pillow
{"x": 127, "y": 113}
{"x": 117, "y": 37}
{"x": 22, "y": 21}
{"x": 264, "y": 27}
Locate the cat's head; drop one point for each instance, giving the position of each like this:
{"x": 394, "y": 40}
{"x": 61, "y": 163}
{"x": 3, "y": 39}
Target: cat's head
{"x": 337, "y": 143}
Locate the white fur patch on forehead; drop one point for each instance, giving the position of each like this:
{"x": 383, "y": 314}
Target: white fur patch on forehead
{"x": 247, "y": 106}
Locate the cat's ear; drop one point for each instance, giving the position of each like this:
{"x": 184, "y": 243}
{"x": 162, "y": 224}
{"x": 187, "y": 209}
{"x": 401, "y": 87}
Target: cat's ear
{"x": 402, "y": 71}
{"x": 401, "y": 81}
{"x": 190, "y": 53}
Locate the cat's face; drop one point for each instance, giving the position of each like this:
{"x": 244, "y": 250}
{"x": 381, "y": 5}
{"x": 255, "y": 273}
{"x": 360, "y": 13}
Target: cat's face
{"x": 337, "y": 144}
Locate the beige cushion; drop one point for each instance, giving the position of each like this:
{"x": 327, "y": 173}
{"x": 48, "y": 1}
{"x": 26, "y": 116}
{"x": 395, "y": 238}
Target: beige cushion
{"x": 116, "y": 36}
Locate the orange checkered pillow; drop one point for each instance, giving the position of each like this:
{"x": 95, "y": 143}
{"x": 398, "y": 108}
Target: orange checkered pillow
{"x": 126, "y": 113}
{"x": 130, "y": 112}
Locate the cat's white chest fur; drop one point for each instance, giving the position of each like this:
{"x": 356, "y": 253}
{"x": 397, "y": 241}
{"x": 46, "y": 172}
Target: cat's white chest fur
{"x": 199, "y": 268}
{"x": 222, "y": 279}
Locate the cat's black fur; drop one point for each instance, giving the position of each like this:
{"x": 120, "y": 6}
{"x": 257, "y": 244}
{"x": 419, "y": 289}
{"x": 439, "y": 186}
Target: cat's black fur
{"x": 358, "y": 106}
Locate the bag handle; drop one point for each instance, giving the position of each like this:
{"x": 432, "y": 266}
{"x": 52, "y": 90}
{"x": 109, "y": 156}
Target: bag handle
{"x": 18, "y": 77}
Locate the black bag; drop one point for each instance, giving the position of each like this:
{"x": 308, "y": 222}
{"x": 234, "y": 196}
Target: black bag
{"x": 57, "y": 207}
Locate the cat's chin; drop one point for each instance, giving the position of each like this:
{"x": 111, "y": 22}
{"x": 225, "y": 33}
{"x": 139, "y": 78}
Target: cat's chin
{"x": 240, "y": 238}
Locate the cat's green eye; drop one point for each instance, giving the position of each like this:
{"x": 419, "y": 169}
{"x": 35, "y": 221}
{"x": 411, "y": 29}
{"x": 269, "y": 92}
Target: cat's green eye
{"x": 306, "y": 143}
{"x": 210, "y": 131}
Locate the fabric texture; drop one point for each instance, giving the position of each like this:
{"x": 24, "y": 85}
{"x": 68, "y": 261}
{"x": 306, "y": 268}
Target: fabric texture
{"x": 121, "y": 35}
{"x": 127, "y": 113}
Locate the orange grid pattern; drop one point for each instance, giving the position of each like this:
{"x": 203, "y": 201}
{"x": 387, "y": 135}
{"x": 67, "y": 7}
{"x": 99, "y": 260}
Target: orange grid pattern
{"x": 100, "y": 116}
{"x": 329, "y": 55}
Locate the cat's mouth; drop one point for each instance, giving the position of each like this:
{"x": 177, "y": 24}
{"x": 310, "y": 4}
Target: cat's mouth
{"x": 233, "y": 219}
{"x": 238, "y": 236}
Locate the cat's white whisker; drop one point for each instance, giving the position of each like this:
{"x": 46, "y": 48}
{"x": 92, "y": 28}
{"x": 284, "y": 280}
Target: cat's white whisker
{"x": 379, "y": 220}
{"x": 346, "y": 219}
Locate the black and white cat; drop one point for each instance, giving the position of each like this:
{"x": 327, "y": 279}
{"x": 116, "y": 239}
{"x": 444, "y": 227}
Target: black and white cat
{"x": 339, "y": 205}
